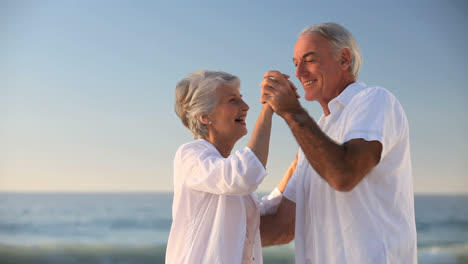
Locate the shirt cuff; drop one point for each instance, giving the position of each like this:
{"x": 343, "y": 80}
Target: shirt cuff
{"x": 269, "y": 203}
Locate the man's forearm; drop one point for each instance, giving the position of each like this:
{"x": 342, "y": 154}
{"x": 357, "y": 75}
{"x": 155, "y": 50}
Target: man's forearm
{"x": 279, "y": 228}
{"x": 272, "y": 233}
{"x": 326, "y": 156}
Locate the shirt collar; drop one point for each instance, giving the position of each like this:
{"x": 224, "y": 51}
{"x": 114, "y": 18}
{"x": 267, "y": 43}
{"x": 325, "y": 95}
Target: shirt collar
{"x": 345, "y": 96}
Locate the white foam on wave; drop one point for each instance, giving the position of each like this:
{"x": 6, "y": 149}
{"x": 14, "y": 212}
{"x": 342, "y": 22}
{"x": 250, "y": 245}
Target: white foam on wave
{"x": 447, "y": 254}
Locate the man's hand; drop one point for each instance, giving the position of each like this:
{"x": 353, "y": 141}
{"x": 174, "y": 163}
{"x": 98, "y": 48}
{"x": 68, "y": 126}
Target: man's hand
{"x": 279, "y": 93}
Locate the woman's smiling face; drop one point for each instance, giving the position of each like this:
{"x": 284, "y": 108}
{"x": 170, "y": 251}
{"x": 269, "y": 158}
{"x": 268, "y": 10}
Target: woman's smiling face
{"x": 228, "y": 116}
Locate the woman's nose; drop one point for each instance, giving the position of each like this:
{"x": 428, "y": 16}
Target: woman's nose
{"x": 245, "y": 106}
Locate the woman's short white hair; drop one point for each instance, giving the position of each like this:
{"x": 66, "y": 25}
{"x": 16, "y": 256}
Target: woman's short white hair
{"x": 340, "y": 38}
{"x": 196, "y": 95}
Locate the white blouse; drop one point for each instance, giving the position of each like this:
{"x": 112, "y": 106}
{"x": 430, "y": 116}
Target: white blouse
{"x": 215, "y": 213}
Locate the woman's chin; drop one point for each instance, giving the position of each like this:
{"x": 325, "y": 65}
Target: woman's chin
{"x": 241, "y": 135}
{"x": 244, "y": 132}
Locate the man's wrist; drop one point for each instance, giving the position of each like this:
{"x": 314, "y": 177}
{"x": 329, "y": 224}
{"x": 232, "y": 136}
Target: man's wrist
{"x": 298, "y": 116}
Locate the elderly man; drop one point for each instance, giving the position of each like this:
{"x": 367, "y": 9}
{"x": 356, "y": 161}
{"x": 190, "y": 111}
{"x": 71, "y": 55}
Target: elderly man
{"x": 351, "y": 198}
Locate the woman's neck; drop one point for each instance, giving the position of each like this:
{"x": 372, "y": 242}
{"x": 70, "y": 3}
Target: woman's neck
{"x": 223, "y": 146}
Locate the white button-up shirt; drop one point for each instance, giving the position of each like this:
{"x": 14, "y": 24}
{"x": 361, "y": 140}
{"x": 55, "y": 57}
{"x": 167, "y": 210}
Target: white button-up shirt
{"x": 215, "y": 212}
{"x": 374, "y": 222}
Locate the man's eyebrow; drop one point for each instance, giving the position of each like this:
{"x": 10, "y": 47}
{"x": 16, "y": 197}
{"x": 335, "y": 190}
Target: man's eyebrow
{"x": 305, "y": 55}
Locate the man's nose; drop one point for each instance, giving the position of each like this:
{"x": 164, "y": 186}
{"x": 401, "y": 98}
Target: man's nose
{"x": 300, "y": 70}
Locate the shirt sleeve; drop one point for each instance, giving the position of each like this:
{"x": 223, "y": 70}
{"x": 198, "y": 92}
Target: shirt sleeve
{"x": 375, "y": 114}
{"x": 290, "y": 191}
{"x": 269, "y": 203}
{"x": 207, "y": 171}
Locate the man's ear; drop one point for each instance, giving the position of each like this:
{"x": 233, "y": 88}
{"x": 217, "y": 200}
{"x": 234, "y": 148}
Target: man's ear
{"x": 205, "y": 119}
{"x": 345, "y": 59}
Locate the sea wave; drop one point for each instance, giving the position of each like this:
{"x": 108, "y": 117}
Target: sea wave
{"x": 78, "y": 253}
{"x": 52, "y": 253}
{"x": 77, "y": 227}
{"x": 59, "y": 253}
{"x": 455, "y": 253}
{"x": 459, "y": 224}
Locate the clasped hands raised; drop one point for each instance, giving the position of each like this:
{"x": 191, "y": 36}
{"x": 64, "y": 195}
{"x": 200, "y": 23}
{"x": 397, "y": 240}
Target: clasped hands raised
{"x": 279, "y": 93}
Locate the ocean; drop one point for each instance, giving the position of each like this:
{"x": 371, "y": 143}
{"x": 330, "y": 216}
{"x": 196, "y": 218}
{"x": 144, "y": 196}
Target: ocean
{"x": 127, "y": 228}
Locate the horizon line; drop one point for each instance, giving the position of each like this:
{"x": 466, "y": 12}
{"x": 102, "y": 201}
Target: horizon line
{"x": 164, "y": 191}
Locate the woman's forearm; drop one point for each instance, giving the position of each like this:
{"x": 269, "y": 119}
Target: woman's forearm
{"x": 260, "y": 141}
{"x": 287, "y": 175}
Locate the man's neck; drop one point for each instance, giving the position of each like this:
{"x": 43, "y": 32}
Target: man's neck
{"x": 341, "y": 87}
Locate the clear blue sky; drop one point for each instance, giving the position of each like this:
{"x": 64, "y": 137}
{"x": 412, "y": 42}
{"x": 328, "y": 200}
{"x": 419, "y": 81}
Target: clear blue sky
{"x": 87, "y": 87}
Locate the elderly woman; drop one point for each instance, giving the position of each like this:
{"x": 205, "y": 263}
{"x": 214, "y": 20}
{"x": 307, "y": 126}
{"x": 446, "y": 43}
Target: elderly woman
{"x": 216, "y": 215}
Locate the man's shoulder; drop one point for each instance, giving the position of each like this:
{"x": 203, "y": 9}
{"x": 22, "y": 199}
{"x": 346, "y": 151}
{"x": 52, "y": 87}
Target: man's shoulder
{"x": 374, "y": 92}
{"x": 373, "y": 101}
{"x": 372, "y": 96}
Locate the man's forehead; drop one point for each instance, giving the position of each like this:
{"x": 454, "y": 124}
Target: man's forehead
{"x": 305, "y": 55}
{"x": 309, "y": 44}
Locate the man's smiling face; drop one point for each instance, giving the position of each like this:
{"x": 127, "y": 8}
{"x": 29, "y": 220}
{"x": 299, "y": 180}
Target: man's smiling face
{"x": 317, "y": 68}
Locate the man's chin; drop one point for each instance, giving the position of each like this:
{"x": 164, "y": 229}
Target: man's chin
{"x": 310, "y": 98}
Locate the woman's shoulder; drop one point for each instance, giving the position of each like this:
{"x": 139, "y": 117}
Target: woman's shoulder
{"x": 196, "y": 146}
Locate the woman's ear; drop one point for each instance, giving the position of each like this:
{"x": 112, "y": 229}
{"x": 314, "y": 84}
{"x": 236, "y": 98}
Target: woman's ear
{"x": 205, "y": 119}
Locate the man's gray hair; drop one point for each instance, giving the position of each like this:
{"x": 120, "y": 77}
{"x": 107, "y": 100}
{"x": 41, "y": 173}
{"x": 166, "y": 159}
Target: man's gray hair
{"x": 196, "y": 95}
{"x": 340, "y": 38}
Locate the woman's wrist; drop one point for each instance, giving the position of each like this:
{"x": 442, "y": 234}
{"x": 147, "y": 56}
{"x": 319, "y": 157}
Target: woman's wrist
{"x": 267, "y": 109}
